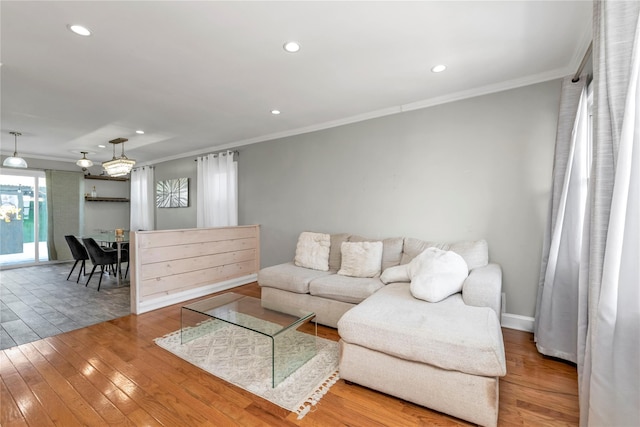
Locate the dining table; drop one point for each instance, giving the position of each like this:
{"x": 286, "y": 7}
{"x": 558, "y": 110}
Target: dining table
{"x": 107, "y": 238}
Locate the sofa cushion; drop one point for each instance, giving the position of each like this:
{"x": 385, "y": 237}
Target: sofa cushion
{"x": 335, "y": 254}
{"x": 391, "y": 250}
{"x": 289, "y": 277}
{"x": 475, "y": 253}
{"x": 312, "y": 251}
{"x": 436, "y": 274}
{"x": 447, "y": 334}
{"x": 346, "y": 289}
{"x": 361, "y": 259}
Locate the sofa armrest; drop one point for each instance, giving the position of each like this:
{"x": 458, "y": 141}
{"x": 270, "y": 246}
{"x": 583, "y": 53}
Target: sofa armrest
{"x": 483, "y": 288}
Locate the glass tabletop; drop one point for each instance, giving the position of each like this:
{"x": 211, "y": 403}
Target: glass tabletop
{"x": 248, "y": 312}
{"x": 110, "y": 237}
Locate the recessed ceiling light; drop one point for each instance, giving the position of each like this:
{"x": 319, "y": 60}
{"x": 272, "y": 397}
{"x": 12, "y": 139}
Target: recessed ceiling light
{"x": 79, "y": 30}
{"x": 291, "y": 47}
{"x": 140, "y": 132}
{"x": 102, "y": 146}
{"x": 439, "y": 68}
{"x": 275, "y": 112}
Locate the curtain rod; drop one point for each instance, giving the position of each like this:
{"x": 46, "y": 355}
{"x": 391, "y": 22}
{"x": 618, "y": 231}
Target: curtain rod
{"x": 218, "y": 153}
{"x": 585, "y": 58}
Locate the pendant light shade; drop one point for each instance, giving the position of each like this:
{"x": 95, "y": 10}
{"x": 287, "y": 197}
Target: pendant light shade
{"x": 84, "y": 163}
{"x": 119, "y": 166}
{"x": 15, "y": 161}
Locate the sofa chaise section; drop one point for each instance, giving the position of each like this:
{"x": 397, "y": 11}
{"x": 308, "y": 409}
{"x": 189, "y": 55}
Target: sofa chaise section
{"x": 447, "y": 356}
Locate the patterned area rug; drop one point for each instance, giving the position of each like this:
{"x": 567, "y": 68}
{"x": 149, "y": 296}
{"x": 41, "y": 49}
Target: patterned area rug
{"x": 243, "y": 358}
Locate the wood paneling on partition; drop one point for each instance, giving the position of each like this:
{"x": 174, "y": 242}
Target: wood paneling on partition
{"x": 188, "y": 250}
{"x": 164, "y": 238}
{"x": 181, "y": 262}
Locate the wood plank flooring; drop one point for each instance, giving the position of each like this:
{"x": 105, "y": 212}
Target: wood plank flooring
{"x": 113, "y": 374}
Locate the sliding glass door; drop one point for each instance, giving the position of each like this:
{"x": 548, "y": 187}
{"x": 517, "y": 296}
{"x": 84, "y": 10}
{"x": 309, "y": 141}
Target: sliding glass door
{"x": 23, "y": 217}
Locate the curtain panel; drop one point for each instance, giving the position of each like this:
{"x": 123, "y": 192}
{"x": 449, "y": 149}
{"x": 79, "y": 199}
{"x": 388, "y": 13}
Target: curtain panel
{"x": 556, "y": 320}
{"x": 588, "y": 307}
{"x": 609, "y": 345}
{"x": 142, "y": 199}
{"x": 217, "y": 193}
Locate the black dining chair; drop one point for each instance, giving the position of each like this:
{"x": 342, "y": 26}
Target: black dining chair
{"x": 99, "y": 257}
{"x": 79, "y": 253}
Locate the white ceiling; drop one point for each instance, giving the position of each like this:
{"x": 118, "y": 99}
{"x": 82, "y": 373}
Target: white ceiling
{"x": 201, "y": 76}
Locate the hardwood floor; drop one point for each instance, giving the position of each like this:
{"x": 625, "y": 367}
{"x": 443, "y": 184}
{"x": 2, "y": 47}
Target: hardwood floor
{"x": 113, "y": 374}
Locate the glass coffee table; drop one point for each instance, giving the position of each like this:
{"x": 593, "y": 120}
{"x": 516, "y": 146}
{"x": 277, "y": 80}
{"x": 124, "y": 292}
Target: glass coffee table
{"x": 280, "y": 325}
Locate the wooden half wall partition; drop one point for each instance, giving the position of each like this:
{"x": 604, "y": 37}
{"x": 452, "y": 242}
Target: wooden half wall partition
{"x": 171, "y": 266}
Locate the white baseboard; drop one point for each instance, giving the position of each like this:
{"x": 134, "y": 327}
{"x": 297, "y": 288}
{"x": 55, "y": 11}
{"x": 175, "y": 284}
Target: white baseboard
{"x": 176, "y": 298}
{"x": 516, "y": 321}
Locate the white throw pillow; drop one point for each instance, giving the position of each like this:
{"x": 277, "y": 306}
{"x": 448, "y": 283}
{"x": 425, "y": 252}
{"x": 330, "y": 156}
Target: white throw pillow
{"x": 436, "y": 274}
{"x": 398, "y": 273}
{"x": 361, "y": 259}
{"x": 312, "y": 251}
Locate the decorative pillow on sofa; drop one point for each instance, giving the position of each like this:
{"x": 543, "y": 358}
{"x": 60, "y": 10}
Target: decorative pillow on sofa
{"x": 312, "y": 251}
{"x": 391, "y": 249}
{"x": 399, "y": 273}
{"x": 361, "y": 259}
{"x": 437, "y": 274}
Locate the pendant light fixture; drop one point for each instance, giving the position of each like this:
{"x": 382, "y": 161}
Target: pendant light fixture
{"x": 84, "y": 163}
{"x": 15, "y": 161}
{"x": 119, "y": 166}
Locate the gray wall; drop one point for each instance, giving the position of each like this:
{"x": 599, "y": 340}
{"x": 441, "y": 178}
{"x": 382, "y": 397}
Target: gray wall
{"x": 106, "y": 215}
{"x": 472, "y": 169}
{"x": 177, "y": 218}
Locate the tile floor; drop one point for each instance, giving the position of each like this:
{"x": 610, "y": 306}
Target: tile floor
{"x": 38, "y": 302}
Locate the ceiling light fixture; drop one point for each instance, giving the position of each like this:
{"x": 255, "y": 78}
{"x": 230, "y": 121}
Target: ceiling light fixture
{"x": 140, "y": 132}
{"x": 79, "y": 30}
{"x": 439, "y": 68}
{"x": 275, "y": 112}
{"x": 84, "y": 163}
{"x": 15, "y": 161}
{"x": 291, "y": 47}
{"x": 118, "y": 166}
{"x": 102, "y": 146}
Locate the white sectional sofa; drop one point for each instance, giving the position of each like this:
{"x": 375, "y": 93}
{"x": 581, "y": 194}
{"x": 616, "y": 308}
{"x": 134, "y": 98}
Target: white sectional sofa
{"x": 446, "y": 355}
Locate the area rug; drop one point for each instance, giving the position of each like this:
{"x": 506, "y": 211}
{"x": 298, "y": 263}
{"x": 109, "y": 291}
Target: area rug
{"x": 243, "y": 358}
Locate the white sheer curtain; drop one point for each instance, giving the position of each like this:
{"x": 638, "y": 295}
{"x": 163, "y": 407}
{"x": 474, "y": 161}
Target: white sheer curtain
{"x": 217, "y": 195}
{"x": 609, "y": 351}
{"x": 142, "y": 199}
{"x": 557, "y": 310}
